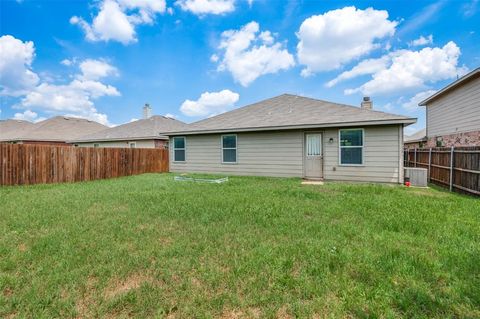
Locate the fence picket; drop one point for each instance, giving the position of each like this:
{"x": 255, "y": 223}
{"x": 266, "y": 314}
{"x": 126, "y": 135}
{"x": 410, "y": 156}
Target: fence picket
{"x": 34, "y": 164}
{"x": 457, "y": 168}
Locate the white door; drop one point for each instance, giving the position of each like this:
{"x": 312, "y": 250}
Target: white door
{"x": 313, "y": 155}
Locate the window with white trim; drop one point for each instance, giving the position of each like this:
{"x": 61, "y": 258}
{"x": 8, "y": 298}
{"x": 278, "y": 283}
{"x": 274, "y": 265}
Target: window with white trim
{"x": 96, "y": 145}
{"x": 179, "y": 149}
{"x": 229, "y": 148}
{"x": 351, "y": 146}
{"x": 132, "y": 144}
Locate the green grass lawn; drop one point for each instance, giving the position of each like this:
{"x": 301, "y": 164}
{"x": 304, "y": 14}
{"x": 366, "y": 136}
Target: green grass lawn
{"x": 147, "y": 246}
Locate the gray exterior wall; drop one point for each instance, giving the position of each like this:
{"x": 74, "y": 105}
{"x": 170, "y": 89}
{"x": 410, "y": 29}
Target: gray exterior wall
{"x": 121, "y": 144}
{"x": 280, "y": 153}
{"x": 456, "y": 111}
{"x": 260, "y": 154}
{"x": 383, "y": 156}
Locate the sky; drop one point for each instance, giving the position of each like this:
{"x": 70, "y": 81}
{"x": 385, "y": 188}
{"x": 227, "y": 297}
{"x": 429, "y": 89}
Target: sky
{"x": 191, "y": 59}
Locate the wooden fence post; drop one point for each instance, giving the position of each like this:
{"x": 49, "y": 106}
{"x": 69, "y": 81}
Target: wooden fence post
{"x": 429, "y": 163}
{"x": 415, "y": 157}
{"x": 451, "y": 168}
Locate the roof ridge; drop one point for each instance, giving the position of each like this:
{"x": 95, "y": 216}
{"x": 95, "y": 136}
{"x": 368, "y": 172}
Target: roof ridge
{"x": 239, "y": 108}
{"x": 348, "y": 105}
{"x": 199, "y": 122}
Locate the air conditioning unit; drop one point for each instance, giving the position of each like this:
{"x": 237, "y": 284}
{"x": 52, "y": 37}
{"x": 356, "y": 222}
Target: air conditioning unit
{"x": 416, "y": 176}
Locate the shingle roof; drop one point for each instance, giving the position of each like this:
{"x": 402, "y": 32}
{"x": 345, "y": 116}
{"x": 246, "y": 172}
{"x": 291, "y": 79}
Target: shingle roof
{"x": 13, "y": 128}
{"x": 141, "y": 129}
{"x": 55, "y": 129}
{"x": 416, "y": 137}
{"x": 288, "y": 112}
{"x": 464, "y": 79}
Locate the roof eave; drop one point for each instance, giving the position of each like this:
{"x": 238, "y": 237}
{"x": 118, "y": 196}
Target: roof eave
{"x": 159, "y": 137}
{"x": 406, "y": 121}
{"x": 423, "y": 139}
{"x": 20, "y": 139}
{"x": 450, "y": 86}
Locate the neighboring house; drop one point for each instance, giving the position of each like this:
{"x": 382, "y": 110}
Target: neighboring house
{"x": 12, "y": 128}
{"x": 453, "y": 113}
{"x": 143, "y": 133}
{"x": 295, "y": 136}
{"x": 416, "y": 140}
{"x": 54, "y": 131}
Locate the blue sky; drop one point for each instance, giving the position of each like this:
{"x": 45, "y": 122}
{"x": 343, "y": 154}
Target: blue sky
{"x": 195, "y": 58}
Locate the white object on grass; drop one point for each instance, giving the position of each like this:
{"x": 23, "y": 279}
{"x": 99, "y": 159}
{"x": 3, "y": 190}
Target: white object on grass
{"x": 205, "y": 180}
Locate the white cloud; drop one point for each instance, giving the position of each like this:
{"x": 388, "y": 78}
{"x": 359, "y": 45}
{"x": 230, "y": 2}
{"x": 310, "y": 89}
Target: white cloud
{"x": 203, "y": 7}
{"x": 96, "y": 69}
{"x": 412, "y": 70}
{"x": 28, "y": 115}
{"x": 412, "y": 129}
{"x": 170, "y": 115}
{"x": 412, "y": 104}
{"x": 111, "y": 23}
{"x": 388, "y": 107}
{"x": 248, "y": 54}
{"x": 332, "y": 39}
{"x": 67, "y": 62}
{"x": 147, "y": 9}
{"x": 16, "y": 75}
{"x": 76, "y": 97}
{"x": 469, "y": 9}
{"x": 425, "y": 15}
{"x": 368, "y": 66}
{"x": 210, "y": 103}
{"x": 422, "y": 41}
{"x": 117, "y": 19}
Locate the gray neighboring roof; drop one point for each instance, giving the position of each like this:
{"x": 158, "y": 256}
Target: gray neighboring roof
{"x": 13, "y": 128}
{"x": 419, "y": 136}
{"x": 138, "y": 130}
{"x": 289, "y": 112}
{"x": 55, "y": 129}
{"x": 467, "y": 77}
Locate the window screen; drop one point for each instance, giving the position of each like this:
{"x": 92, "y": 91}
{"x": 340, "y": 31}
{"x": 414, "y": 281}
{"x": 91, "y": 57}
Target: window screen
{"x": 351, "y": 147}
{"x": 179, "y": 149}
{"x": 229, "y": 148}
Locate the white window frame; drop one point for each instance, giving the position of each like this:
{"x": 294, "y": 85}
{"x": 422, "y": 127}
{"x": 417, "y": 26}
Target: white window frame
{"x": 321, "y": 143}
{"x": 230, "y": 148}
{"x": 96, "y": 145}
{"x": 132, "y": 143}
{"x": 180, "y": 149}
{"x": 340, "y": 146}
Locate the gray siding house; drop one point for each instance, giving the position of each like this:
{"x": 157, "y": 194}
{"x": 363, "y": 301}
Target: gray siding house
{"x": 294, "y": 136}
{"x": 143, "y": 133}
{"x": 453, "y": 113}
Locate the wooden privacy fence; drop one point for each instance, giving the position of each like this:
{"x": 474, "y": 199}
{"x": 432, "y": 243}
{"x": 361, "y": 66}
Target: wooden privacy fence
{"x": 457, "y": 168}
{"x": 35, "y": 164}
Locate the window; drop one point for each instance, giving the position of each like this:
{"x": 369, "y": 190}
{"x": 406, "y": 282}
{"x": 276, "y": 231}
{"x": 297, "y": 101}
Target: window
{"x": 229, "y": 148}
{"x": 351, "y": 146}
{"x": 132, "y": 144}
{"x": 314, "y": 145}
{"x": 96, "y": 145}
{"x": 179, "y": 149}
